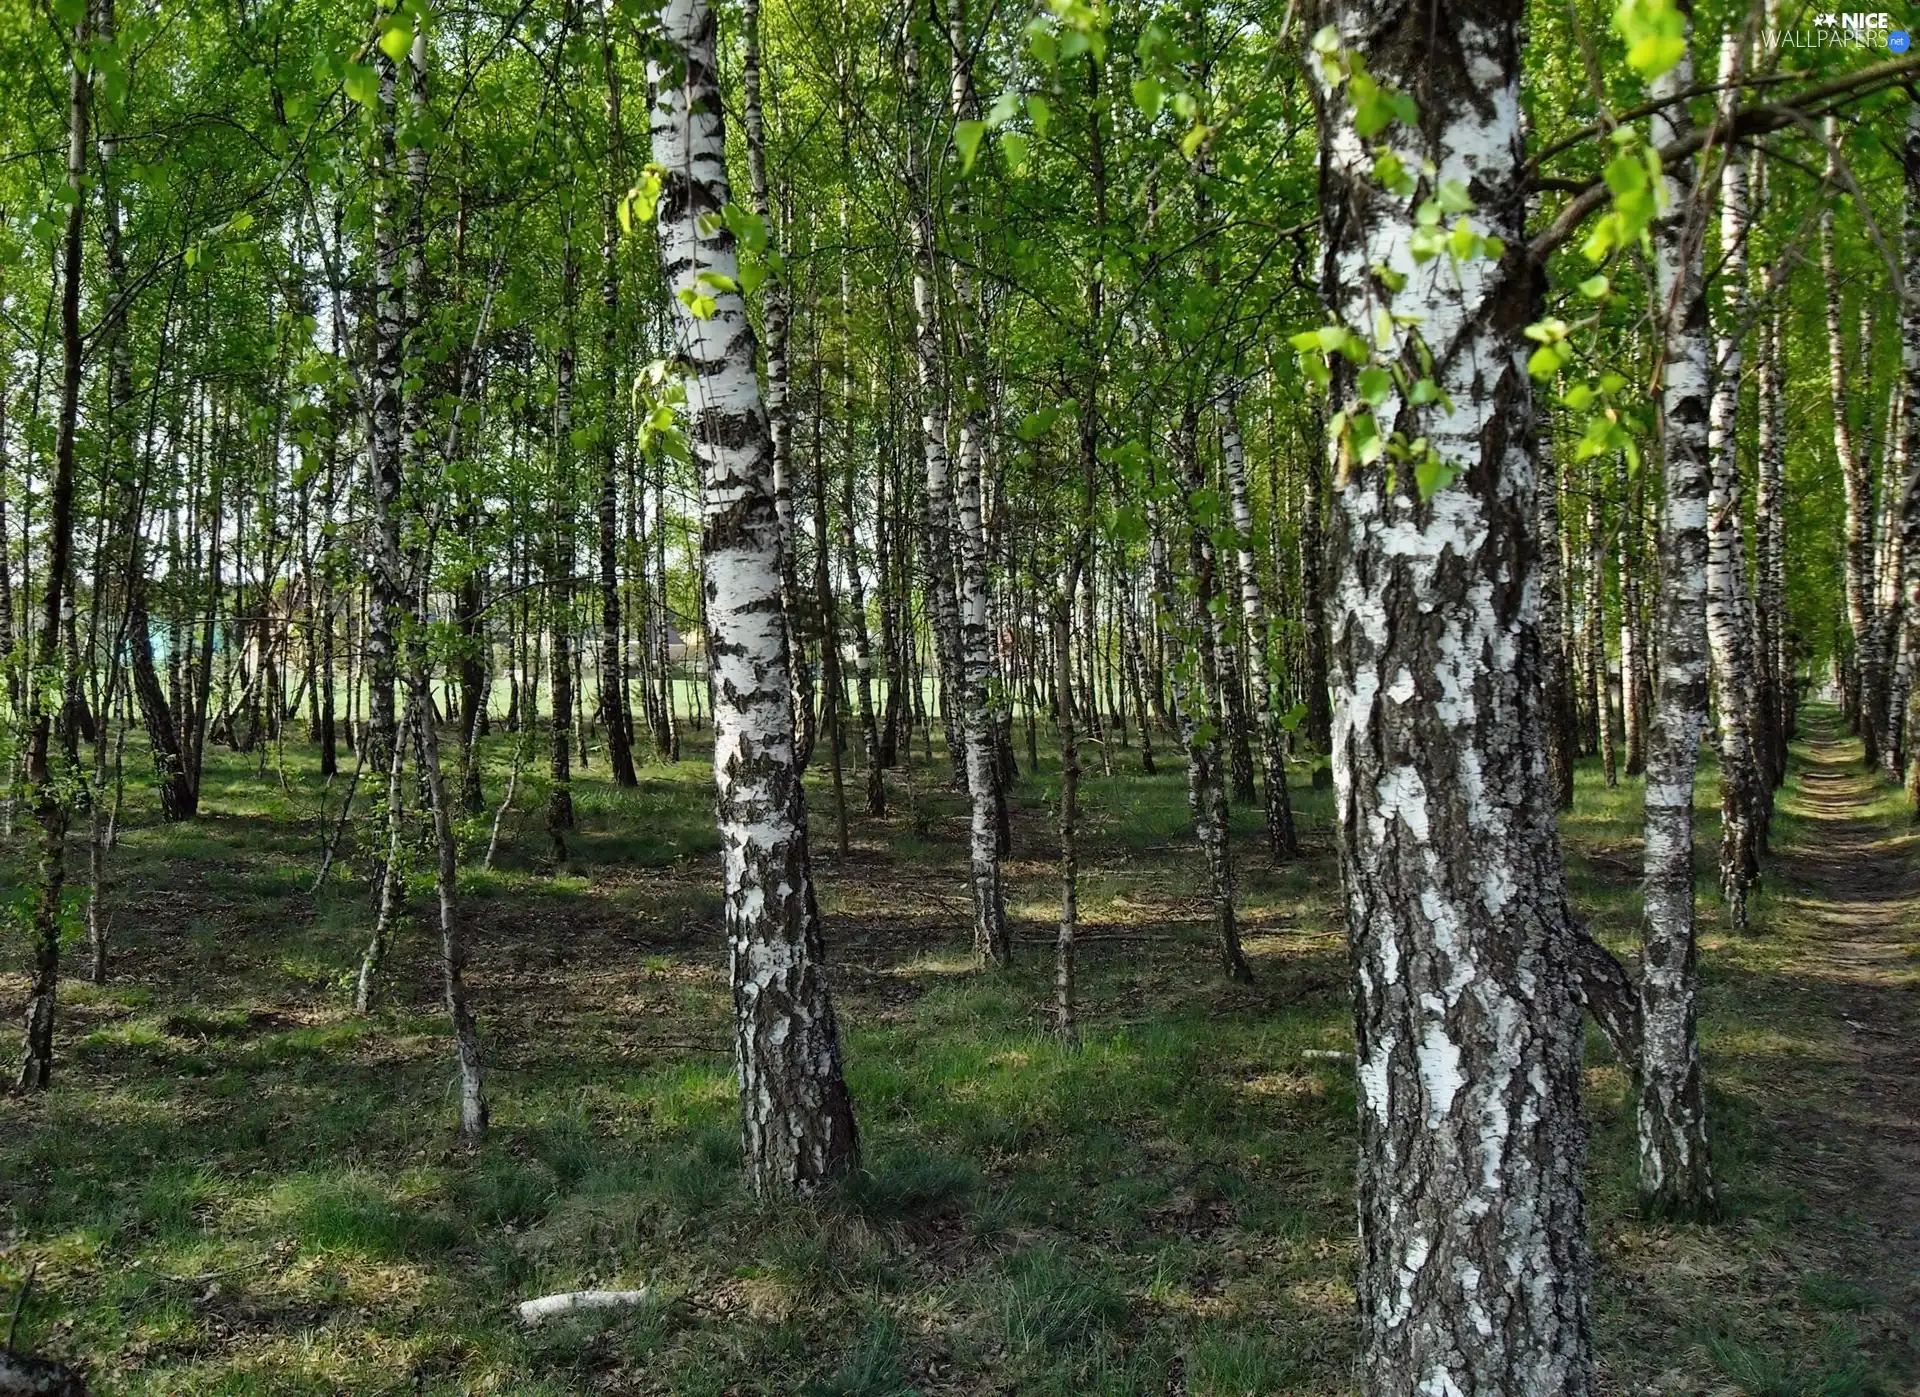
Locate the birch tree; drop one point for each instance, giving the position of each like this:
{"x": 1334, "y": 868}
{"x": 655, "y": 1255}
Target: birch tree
{"x": 1282, "y": 841}
{"x": 1468, "y": 1035}
{"x": 797, "y": 1125}
{"x": 1675, "y": 1170}
{"x": 1729, "y": 626}
{"x": 51, "y": 664}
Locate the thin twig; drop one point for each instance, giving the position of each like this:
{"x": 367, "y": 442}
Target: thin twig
{"x": 20, "y": 1302}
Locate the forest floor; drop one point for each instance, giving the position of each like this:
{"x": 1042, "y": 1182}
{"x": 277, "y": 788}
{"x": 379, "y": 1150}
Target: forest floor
{"x": 237, "y": 1186}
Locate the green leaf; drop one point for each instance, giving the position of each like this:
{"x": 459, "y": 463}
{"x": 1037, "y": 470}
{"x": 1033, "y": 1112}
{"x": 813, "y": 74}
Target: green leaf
{"x": 362, "y": 84}
{"x": 1392, "y": 174}
{"x": 1432, "y": 475}
{"x": 1016, "y": 148}
{"x": 1042, "y": 43}
{"x": 1656, "y": 34}
{"x": 1454, "y": 197}
{"x": 1039, "y": 113}
{"x": 967, "y": 136}
{"x": 1395, "y": 282}
{"x": 1625, "y": 174}
{"x": 1544, "y": 362}
{"x": 1363, "y": 435}
{"x": 1594, "y": 287}
{"x": 1149, "y": 94}
{"x": 1375, "y": 385}
{"x": 749, "y": 229}
{"x": 397, "y": 38}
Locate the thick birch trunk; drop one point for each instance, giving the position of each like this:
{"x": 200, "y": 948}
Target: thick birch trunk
{"x": 1729, "y": 627}
{"x": 1675, "y": 1169}
{"x": 797, "y": 1122}
{"x": 775, "y": 314}
{"x": 1474, "y": 1269}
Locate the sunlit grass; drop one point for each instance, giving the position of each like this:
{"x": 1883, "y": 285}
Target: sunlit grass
{"x": 238, "y": 1186}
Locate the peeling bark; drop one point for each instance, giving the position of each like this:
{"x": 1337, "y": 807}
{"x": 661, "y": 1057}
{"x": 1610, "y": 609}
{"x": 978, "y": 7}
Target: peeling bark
{"x": 1474, "y": 1269}
{"x": 1675, "y": 1169}
{"x": 797, "y": 1125}
{"x": 1729, "y": 627}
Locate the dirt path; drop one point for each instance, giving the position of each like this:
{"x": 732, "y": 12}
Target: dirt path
{"x": 1851, "y": 875}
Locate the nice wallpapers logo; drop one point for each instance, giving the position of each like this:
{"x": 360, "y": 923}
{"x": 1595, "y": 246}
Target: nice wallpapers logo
{"x": 1856, "y": 29}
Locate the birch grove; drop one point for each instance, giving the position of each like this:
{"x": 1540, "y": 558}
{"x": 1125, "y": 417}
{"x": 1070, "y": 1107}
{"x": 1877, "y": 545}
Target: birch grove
{"x": 1176, "y": 530}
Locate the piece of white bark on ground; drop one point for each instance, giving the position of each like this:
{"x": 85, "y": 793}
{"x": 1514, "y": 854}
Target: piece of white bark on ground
{"x": 568, "y": 1301}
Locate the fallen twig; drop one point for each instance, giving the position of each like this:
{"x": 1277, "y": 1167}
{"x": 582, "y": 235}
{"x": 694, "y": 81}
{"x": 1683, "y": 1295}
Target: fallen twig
{"x": 20, "y": 1302}
{"x": 566, "y": 1302}
{"x": 204, "y": 1276}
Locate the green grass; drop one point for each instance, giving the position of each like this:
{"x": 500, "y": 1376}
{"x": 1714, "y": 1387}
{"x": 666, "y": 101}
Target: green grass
{"x": 238, "y": 1187}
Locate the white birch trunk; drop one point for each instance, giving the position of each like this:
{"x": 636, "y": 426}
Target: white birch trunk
{"x": 1908, "y": 574}
{"x": 990, "y": 939}
{"x": 1474, "y": 1270}
{"x": 1194, "y": 675}
{"x": 797, "y": 1125}
{"x": 1729, "y": 626}
{"x": 1675, "y": 1169}
{"x": 1857, "y": 559}
{"x": 775, "y": 315}
{"x": 1282, "y": 841}
{"x": 385, "y": 569}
